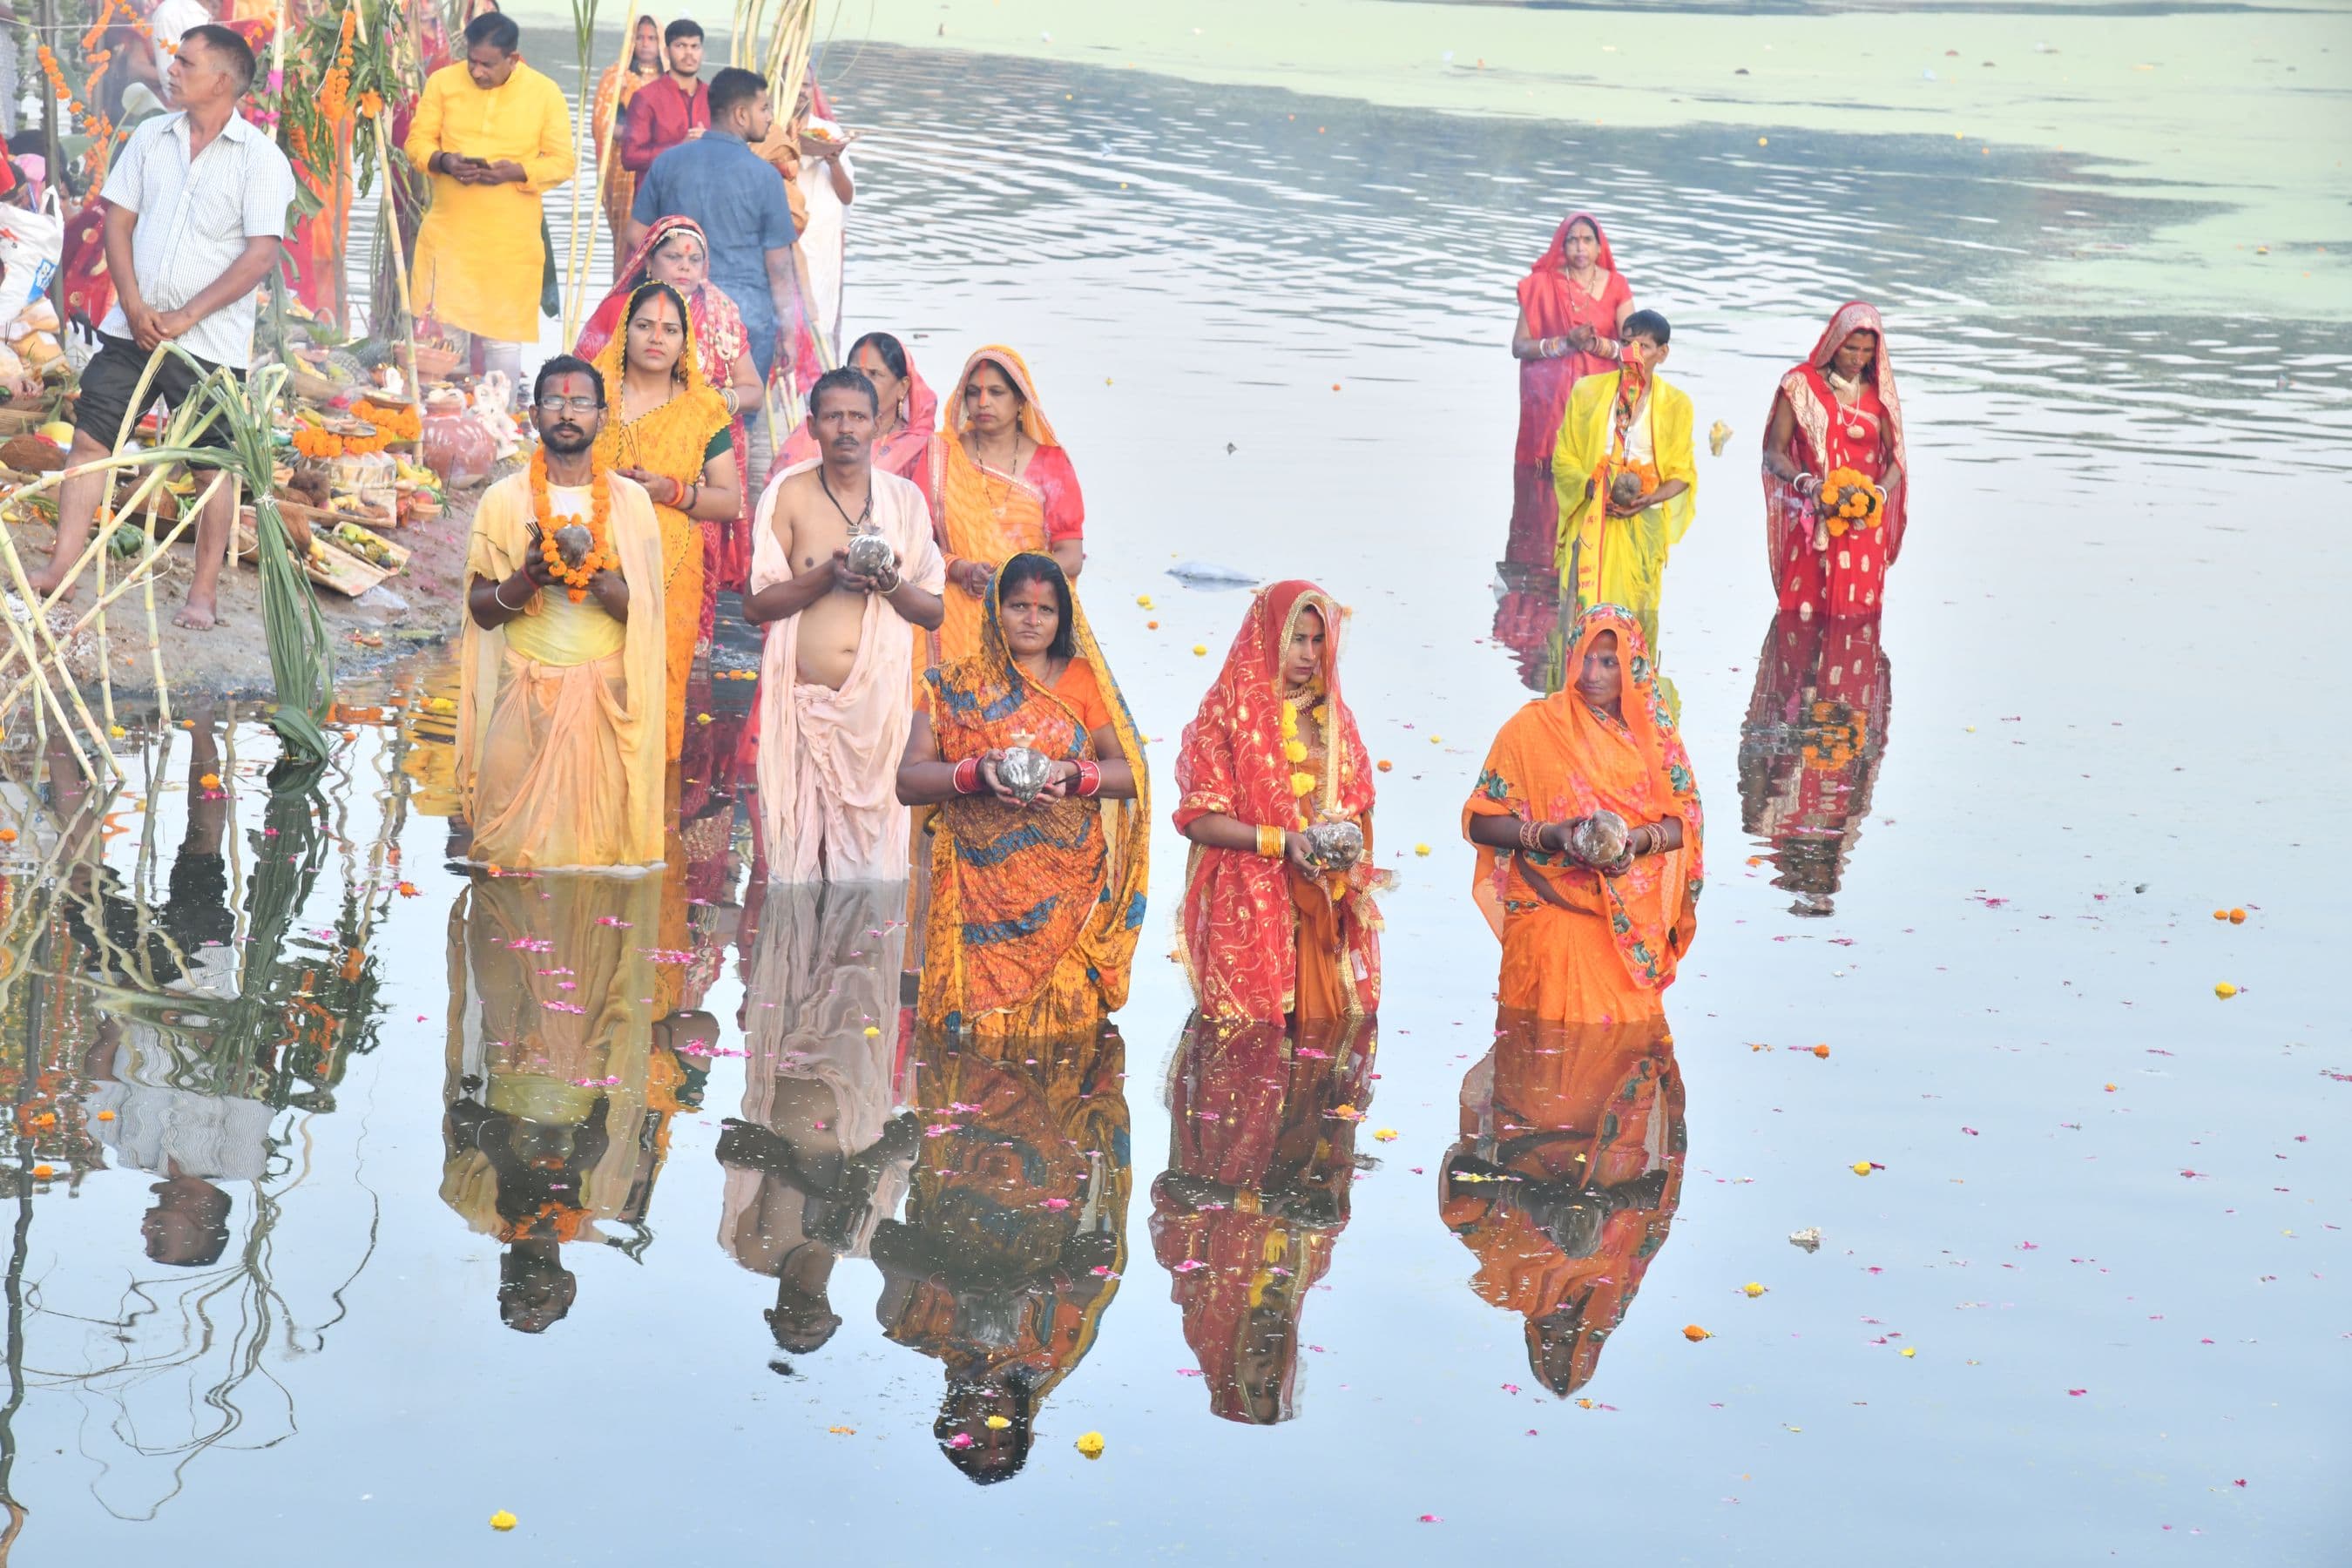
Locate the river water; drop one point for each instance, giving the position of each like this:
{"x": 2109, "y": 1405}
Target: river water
{"x": 2084, "y": 1303}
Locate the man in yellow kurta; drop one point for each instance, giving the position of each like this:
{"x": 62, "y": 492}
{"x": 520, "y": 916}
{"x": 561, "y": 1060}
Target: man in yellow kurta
{"x": 561, "y": 666}
{"x": 492, "y": 134}
{"x": 1627, "y": 480}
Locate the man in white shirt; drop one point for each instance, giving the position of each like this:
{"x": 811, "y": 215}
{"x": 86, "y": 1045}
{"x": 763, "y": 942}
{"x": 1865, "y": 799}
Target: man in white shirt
{"x": 195, "y": 213}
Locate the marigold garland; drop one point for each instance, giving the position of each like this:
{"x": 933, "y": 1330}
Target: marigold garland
{"x": 600, "y": 555}
{"x": 1848, "y": 501}
{"x": 397, "y": 423}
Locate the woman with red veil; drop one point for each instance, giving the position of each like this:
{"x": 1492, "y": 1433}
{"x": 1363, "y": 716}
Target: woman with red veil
{"x": 1269, "y": 933}
{"x": 1837, "y": 410}
{"x": 1571, "y": 304}
{"x": 675, "y": 252}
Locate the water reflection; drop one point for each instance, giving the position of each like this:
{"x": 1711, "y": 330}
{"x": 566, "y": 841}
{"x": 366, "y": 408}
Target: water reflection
{"x": 822, "y": 1152}
{"x": 560, "y": 1086}
{"x": 1261, "y": 1167}
{"x": 162, "y": 1012}
{"x": 1015, "y": 1230}
{"x": 1811, "y": 749}
{"x": 1566, "y": 1178}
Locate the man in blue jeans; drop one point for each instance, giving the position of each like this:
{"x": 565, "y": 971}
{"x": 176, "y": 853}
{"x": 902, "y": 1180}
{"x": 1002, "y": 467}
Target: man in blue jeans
{"x": 738, "y": 199}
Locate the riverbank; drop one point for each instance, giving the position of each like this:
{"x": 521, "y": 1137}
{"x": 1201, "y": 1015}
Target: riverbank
{"x": 419, "y": 606}
{"x": 2260, "y": 167}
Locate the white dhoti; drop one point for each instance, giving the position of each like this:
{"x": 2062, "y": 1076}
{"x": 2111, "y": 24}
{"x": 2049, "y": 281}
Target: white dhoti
{"x": 828, "y": 765}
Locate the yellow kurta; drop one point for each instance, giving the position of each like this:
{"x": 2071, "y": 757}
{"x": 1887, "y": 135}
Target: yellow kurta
{"x": 560, "y": 725}
{"x": 478, "y": 256}
{"x": 1607, "y": 560}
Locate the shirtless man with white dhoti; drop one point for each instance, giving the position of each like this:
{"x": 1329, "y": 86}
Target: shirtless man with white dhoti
{"x": 836, "y": 681}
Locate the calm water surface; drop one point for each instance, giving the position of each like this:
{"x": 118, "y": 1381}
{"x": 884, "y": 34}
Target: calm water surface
{"x": 2086, "y": 1303}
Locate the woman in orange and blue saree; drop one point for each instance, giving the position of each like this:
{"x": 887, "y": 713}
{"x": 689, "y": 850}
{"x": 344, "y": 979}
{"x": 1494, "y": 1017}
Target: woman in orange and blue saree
{"x": 1266, "y": 932}
{"x": 1587, "y": 942}
{"x": 1035, "y": 906}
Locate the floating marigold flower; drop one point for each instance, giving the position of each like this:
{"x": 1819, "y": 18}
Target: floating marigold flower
{"x": 1090, "y": 1443}
{"x": 1751, "y": 1289}
{"x": 8, "y": 835}
{"x": 1694, "y": 1334}
{"x": 1822, "y": 1051}
{"x": 43, "y": 1172}
{"x": 2225, "y": 991}
{"x": 502, "y": 1519}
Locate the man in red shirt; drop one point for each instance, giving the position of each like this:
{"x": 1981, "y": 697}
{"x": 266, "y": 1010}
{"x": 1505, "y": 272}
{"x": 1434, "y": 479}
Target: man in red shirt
{"x": 674, "y": 110}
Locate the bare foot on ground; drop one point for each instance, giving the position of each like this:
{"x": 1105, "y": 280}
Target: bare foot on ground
{"x": 196, "y": 617}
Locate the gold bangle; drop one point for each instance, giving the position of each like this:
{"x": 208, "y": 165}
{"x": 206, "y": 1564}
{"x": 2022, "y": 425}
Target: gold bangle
{"x": 1270, "y": 842}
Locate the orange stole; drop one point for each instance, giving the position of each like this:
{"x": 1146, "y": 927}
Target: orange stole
{"x": 983, "y": 516}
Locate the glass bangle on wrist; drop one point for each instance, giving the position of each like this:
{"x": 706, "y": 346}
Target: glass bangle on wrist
{"x": 1270, "y": 841}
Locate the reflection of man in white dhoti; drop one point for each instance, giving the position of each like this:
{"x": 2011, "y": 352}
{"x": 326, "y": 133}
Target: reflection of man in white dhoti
{"x": 818, "y": 1159}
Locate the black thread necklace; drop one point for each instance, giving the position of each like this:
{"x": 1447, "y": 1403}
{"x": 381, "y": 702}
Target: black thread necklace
{"x": 856, "y": 524}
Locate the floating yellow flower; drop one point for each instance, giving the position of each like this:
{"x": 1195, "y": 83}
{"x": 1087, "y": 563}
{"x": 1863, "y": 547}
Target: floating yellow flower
{"x": 1910, "y": 1351}
{"x": 1861, "y": 1167}
{"x": 1421, "y": 848}
{"x": 1386, "y": 1135}
{"x": 502, "y": 1519}
{"x": 1091, "y": 1445}
{"x": 997, "y": 1423}
{"x": 1751, "y": 1289}
{"x": 2225, "y": 991}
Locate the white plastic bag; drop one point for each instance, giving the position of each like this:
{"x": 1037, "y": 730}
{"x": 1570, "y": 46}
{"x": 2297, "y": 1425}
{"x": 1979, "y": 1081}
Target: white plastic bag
{"x": 31, "y": 243}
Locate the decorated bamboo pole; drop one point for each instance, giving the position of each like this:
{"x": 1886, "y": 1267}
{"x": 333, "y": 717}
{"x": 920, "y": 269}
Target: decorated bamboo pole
{"x": 579, "y": 259}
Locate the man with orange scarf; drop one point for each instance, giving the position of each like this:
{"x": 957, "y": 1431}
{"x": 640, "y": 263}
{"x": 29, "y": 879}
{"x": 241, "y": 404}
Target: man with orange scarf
{"x": 1001, "y": 484}
{"x": 561, "y": 678}
{"x": 1270, "y": 930}
{"x": 1587, "y": 822}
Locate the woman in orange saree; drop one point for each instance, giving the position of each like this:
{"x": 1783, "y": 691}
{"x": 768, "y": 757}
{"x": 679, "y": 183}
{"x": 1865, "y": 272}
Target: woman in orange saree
{"x": 1586, "y": 942}
{"x": 1000, "y": 485}
{"x": 1572, "y": 303}
{"x": 669, "y": 431}
{"x": 1268, "y": 934}
{"x": 1035, "y": 907}
{"x": 613, "y": 89}
{"x": 1837, "y": 410}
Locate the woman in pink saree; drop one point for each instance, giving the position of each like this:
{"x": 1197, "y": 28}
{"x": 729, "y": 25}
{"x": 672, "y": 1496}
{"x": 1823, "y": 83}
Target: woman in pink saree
{"x": 907, "y": 423}
{"x": 1571, "y": 304}
{"x": 1837, "y": 410}
{"x": 675, "y": 252}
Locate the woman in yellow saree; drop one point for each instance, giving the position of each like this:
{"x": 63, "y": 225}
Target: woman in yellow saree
{"x": 1001, "y": 484}
{"x": 669, "y": 432}
{"x": 1036, "y": 906}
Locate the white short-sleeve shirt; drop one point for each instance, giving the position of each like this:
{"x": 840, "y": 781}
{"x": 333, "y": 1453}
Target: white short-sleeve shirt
{"x": 194, "y": 217}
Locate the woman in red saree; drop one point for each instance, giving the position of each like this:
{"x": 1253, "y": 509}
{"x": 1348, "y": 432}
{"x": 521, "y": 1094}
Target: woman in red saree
{"x": 1837, "y": 410}
{"x": 1585, "y": 943}
{"x": 906, "y": 428}
{"x": 1571, "y": 304}
{"x": 1267, "y": 934}
{"x": 675, "y": 252}
{"x": 613, "y": 89}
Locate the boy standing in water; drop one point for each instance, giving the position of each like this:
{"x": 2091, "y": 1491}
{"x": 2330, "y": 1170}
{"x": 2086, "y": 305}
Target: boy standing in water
{"x": 1627, "y": 480}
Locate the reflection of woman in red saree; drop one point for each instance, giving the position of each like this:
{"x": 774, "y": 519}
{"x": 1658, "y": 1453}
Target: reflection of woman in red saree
{"x": 1571, "y": 304}
{"x": 1273, "y": 751}
{"x": 1566, "y": 1180}
{"x": 1262, "y": 1157}
{"x": 1014, "y": 1234}
{"x": 1837, "y": 410}
{"x": 1811, "y": 749}
{"x": 675, "y": 252}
